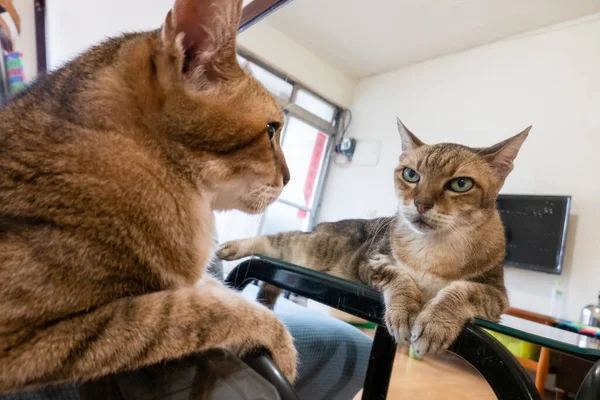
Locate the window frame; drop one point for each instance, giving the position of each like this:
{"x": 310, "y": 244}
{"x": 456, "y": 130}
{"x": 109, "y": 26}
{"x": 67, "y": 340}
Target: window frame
{"x": 331, "y": 129}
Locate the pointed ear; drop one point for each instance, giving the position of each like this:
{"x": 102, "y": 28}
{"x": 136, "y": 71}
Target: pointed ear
{"x": 501, "y": 156}
{"x": 409, "y": 140}
{"x": 205, "y": 30}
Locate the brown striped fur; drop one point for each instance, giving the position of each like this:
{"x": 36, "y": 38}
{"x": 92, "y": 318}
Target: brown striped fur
{"x": 438, "y": 267}
{"x": 110, "y": 170}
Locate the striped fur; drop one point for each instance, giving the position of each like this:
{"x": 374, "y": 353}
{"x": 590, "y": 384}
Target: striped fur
{"x": 110, "y": 170}
{"x": 437, "y": 269}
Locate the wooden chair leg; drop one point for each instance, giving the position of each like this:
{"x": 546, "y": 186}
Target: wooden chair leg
{"x": 543, "y": 366}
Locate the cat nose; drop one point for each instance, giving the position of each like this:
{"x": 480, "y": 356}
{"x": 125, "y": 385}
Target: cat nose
{"x": 286, "y": 175}
{"x": 423, "y": 206}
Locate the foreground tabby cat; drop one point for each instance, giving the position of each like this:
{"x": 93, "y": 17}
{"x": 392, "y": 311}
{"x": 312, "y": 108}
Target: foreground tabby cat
{"x": 438, "y": 262}
{"x": 110, "y": 170}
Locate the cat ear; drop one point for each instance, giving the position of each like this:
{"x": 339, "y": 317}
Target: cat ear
{"x": 501, "y": 156}
{"x": 409, "y": 140}
{"x": 205, "y": 30}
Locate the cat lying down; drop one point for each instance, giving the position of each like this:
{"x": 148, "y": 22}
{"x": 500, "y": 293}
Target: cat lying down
{"x": 438, "y": 261}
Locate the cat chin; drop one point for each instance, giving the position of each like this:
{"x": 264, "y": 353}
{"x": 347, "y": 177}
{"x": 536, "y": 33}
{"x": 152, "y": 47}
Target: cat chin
{"x": 256, "y": 205}
{"x": 421, "y": 227}
{"x": 253, "y": 210}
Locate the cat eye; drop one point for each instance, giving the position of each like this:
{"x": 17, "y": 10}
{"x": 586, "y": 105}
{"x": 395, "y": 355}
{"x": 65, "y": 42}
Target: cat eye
{"x": 410, "y": 175}
{"x": 460, "y": 185}
{"x": 272, "y": 128}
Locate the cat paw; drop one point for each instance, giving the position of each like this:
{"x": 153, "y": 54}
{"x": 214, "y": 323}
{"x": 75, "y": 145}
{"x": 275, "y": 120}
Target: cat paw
{"x": 400, "y": 315}
{"x": 380, "y": 260}
{"x": 285, "y": 355}
{"x": 229, "y": 251}
{"x": 274, "y": 337}
{"x": 435, "y": 330}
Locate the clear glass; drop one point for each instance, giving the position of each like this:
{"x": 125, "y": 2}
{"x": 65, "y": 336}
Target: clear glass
{"x": 281, "y": 217}
{"x": 315, "y": 105}
{"x": 544, "y": 335}
{"x": 305, "y": 149}
{"x": 274, "y": 84}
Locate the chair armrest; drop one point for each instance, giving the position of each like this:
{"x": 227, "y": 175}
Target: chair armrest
{"x": 351, "y": 297}
{"x": 498, "y": 366}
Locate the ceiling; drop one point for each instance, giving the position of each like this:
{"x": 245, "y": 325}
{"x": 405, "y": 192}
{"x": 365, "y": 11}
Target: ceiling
{"x": 363, "y": 38}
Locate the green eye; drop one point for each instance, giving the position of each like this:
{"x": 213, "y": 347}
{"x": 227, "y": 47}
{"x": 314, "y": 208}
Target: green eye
{"x": 410, "y": 175}
{"x": 461, "y": 185}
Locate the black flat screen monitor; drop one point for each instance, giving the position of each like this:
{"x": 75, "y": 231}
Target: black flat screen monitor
{"x": 535, "y": 229}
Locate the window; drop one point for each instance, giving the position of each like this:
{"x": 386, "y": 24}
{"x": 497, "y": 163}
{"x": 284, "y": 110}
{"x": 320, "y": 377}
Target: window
{"x": 305, "y": 149}
{"x": 310, "y": 102}
{"x": 307, "y": 141}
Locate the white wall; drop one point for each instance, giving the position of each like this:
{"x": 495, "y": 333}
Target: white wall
{"x": 550, "y": 79}
{"x": 75, "y": 25}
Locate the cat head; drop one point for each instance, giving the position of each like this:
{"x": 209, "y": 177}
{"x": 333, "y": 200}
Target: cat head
{"x": 184, "y": 86}
{"x": 448, "y": 187}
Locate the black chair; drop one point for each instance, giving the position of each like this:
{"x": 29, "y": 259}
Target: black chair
{"x": 211, "y": 375}
{"x": 498, "y": 366}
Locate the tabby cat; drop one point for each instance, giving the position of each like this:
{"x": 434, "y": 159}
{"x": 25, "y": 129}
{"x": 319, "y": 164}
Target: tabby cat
{"x": 110, "y": 169}
{"x": 438, "y": 261}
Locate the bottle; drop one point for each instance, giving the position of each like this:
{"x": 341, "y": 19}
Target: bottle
{"x": 590, "y": 314}
{"x": 557, "y": 300}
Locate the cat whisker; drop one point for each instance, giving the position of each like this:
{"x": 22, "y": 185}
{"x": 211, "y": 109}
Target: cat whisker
{"x": 383, "y": 224}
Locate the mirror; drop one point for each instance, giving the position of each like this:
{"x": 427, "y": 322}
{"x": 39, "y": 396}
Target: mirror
{"x": 472, "y": 73}
{"x": 467, "y": 72}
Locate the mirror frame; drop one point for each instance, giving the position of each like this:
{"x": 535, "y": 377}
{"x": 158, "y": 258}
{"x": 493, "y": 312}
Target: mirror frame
{"x": 39, "y": 7}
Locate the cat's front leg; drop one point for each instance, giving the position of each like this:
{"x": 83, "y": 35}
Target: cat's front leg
{"x": 236, "y": 249}
{"x": 402, "y": 297}
{"x": 137, "y": 331}
{"x": 443, "y": 317}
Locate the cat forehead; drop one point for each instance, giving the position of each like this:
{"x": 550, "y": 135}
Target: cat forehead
{"x": 254, "y": 98}
{"x": 444, "y": 158}
{"x": 268, "y": 101}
